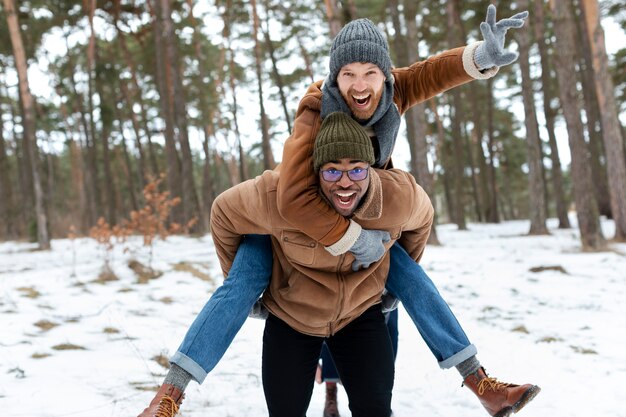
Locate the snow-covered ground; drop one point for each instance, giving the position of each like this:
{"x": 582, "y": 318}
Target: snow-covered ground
{"x": 70, "y": 346}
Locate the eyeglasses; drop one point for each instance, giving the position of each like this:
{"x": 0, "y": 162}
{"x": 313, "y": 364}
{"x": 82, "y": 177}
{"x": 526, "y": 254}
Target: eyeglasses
{"x": 334, "y": 175}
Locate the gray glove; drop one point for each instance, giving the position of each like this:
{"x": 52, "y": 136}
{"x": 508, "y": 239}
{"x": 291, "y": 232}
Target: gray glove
{"x": 258, "y": 311}
{"x": 389, "y": 302}
{"x": 369, "y": 248}
{"x": 491, "y": 52}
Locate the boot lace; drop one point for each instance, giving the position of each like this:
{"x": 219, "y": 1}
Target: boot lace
{"x": 491, "y": 384}
{"x": 167, "y": 407}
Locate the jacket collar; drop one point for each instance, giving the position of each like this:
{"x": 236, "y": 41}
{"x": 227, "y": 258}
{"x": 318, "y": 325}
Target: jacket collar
{"x": 372, "y": 207}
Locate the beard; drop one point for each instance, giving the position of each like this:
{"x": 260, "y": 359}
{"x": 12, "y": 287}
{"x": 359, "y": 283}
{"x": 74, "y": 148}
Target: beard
{"x": 363, "y": 113}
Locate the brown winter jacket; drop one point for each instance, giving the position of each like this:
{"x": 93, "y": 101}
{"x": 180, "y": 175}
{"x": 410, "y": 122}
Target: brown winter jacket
{"x": 311, "y": 290}
{"x": 298, "y": 200}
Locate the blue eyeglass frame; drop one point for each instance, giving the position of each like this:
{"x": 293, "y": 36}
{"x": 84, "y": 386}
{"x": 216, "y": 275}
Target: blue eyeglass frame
{"x": 337, "y": 174}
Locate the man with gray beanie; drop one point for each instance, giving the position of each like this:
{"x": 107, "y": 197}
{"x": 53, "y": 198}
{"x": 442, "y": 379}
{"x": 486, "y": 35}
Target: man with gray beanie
{"x": 363, "y": 84}
{"x": 314, "y": 296}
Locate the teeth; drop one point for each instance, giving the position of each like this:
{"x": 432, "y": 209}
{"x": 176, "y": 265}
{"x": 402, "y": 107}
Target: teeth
{"x": 346, "y": 194}
{"x": 361, "y": 97}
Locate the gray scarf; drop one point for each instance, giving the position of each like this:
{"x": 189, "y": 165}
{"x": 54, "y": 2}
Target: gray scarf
{"x": 385, "y": 121}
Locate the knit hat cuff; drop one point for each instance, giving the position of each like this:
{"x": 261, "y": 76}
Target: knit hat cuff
{"x": 335, "y": 151}
{"x": 360, "y": 51}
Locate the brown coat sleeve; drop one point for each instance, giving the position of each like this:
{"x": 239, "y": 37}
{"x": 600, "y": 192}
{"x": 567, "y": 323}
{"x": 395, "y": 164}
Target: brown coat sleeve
{"x": 242, "y": 209}
{"x": 297, "y": 194}
{"x": 426, "y": 79}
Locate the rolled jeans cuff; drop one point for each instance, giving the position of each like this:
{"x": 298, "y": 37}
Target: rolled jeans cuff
{"x": 189, "y": 365}
{"x": 453, "y": 360}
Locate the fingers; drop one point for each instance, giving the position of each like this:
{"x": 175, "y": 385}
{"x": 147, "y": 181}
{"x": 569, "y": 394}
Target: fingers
{"x": 491, "y": 15}
{"x": 510, "y": 23}
{"x": 520, "y": 15}
{"x": 487, "y": 32}
{"x": 506, "y": 58}
{"x": 358, "y": 265}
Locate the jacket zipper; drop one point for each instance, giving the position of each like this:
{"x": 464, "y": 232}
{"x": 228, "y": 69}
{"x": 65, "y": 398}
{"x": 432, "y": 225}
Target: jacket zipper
{"x": 340, "y": 277}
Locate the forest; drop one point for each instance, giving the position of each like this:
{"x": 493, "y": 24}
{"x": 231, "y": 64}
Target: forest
{"x": 101, "y": 100}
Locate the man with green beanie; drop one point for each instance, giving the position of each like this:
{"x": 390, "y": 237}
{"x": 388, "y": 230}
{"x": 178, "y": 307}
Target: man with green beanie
{"x": 363, "y": 84}
{"x": 314, "y": 296}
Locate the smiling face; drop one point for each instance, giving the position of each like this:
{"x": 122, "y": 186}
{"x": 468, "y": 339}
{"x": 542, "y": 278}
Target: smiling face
{"x": 345, "y": 194}
{"x": 361, "y": 85}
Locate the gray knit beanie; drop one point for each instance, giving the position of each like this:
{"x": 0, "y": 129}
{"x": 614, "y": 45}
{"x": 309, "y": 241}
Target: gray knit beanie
{"x": 359, "y": 41}
{"x": 341, "y": 137}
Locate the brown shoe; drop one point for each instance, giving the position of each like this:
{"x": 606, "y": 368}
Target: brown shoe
{"x": 330, "y": 407}
{"x": 499, "y": 398}
{"x": 165, "y": 403}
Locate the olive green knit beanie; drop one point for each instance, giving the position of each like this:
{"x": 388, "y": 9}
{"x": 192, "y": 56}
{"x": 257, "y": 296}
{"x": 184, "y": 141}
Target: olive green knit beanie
{"x": 341, "y": 137}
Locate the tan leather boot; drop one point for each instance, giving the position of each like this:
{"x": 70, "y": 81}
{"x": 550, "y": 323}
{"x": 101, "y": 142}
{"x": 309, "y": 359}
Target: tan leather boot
{"x": 500, "y": 399}
{"x": 165, "y": 403}
{"x": 330, "y": 406}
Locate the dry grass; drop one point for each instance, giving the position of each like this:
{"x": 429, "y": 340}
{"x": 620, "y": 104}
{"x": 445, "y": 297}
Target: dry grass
{"x": 106, "y": 275}
{"x": 110, "y": 330}
{"x": 45, "y": 325}
{"x": 520, "y": 329}
{"x": 68, "y": 346}
{"x": 188, "y": 267}
{"x": 162, "y": 360}
{"x": 29, "y": 292}
{"x": 40, "y": 355}
{"x": 144, "y": 273}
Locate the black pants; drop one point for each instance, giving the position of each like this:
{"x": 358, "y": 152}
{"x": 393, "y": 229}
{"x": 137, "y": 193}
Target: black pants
{"x": 362, "y": 352}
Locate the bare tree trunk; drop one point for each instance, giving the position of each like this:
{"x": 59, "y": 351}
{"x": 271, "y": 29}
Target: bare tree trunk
{"x": 106, "y": 120}
{"x": 129, "y": 100}
{"x": 28, "y": 123}
{"x": 472, "y": 169}
{"x": 135, "y": 96}
{"x": 243, "y": 164}
{"x": 208, "y": 113}
{"x": 455, "y": 123}
{"x": 475, "y": 117}
{"x": 550, "y": 115}
{"x": 92, "y": 153}
{"x": 416, "y": 120}
{"x": 493, "y": 215}
{"x": 78, "y": 182}
{"x": 537, "y": 206}
{"x": 613, "y": 141}
{"x": 88, "y": 169}
{"x": 141, "y": 167}
{"x": 586, "y": 207}
{"x": 163, "y": 77}
{"x": 442, "y": 156}
{"x": 278, "y": 79}
{"x": 592, "y": 113}
{"x": 268, "y": 157}
{"x": 190, "y": 201}
{"x": 128, "y": 167}
{"x": 6, "y": 193}
{"x": 307, "y": 61}
{"x": 334, "y": 19}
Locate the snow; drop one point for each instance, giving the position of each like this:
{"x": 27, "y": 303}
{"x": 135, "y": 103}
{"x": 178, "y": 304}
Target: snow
{"x": 563, "y": 331}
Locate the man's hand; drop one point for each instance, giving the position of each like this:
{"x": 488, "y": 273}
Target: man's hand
{"x": 258, "y": 311}
{"x": 369, "y": 248}
{"x": 491, "y": 52}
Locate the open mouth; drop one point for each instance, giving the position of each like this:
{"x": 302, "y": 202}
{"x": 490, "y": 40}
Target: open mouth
{"x": 362, "y": 100}
{"x": 345, "y": 199}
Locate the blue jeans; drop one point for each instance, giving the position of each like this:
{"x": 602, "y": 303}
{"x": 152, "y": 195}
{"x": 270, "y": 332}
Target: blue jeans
{"x": 216, "y": 325}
